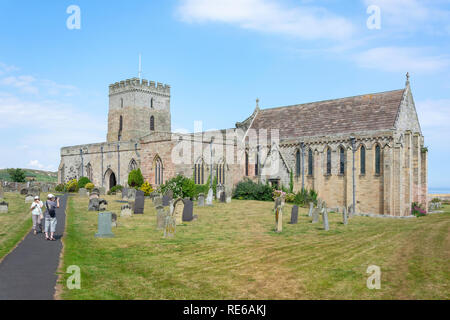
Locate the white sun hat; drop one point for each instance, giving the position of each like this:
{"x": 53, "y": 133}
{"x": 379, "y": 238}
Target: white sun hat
{"x": 50, "y": 196}
{"x": 36, "y": 198}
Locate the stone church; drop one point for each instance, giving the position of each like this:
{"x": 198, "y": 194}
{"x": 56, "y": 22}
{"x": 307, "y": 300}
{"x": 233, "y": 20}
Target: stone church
{"x": 367, "y": 150}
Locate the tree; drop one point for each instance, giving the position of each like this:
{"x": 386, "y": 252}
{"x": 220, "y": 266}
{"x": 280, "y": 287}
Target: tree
{"x": 135, "y": 178}
{"x": 83, "y": 181}
{"x": 17, "y": 175}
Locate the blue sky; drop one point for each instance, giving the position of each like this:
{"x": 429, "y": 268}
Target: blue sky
{"x": 218, "y": 56}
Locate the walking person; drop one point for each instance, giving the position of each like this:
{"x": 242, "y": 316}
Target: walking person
{"x": 50, "y": 216}
{"x": 36, "y": 214}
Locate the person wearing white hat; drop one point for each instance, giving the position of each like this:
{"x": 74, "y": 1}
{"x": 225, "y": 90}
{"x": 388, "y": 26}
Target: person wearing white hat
{"x": 50, "y": 216}
{"x": 36, "y": 213}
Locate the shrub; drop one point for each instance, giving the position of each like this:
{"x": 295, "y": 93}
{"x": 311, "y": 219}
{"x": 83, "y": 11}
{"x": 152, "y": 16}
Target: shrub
{"x": 115, "y": 189}
{"x": 89, "y": 186}
{"x": 304, "y": 197}
{"x": 181, "y": 187}
{"x": 290, "y": 197}
{"x": 60, "y": 187}
{"x": 291, "y": 183}
{"x": 72, "y": 186}
{"x": 436, "y": 200}
{"x": 135, "y": 179}
{"x": 417, "y": 210}
{"x": 146, "y": 188}
{"x": 83, "y": 181}
{"x": 278, "y": 193}
{"x": 249, "y": 190}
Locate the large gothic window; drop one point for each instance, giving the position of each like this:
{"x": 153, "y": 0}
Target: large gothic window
{"x": 199, "y": 172}
{"x": 363, "y": 160}
{"x": 152, "y": 123}
{"x": 297, "y": 163}
{"x": 328, "y": 161}
{"x": 341, "y": 160}
{"x": 159, "y": 171}
{"x": 310, "y": 163}
{"x": 377, "y": 160}
{"x": 221, "y": 173}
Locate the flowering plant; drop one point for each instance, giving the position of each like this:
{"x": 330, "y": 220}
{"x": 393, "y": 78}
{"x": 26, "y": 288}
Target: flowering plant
{"x": 417, "y": 210}
{"x": 279, "y": 193}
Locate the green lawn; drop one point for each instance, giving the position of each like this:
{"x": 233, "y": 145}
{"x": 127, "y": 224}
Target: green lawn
{"x": 232, "y": 252}
{"x": 15, "y": 224}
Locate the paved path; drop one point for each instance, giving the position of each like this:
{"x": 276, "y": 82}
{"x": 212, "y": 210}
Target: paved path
{"x": 29, "y": 272}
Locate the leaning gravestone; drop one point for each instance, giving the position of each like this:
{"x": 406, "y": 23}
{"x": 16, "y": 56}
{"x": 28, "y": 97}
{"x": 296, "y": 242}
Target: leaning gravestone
{"x": 161, "y": 214}
{"x": 140, "y": 202}
{"x": 315, "y": 215}
{"x": 326, "y": 225}
{"x": 104, "y": 225}
{"x": 188, "y": 211}
{"x": 311, "y": 208}
{"x": 3, "y": 207}
{"x": 344, "y": 216}
{"x": 201, "y": 200}
{"x": 294, "y": 215}
{"x": 178, "y": 211}
{"x": 114, "y": 220}
{"x": 94, "y": 204}
{"x": 126, "y": 211}
{"x": 82, "y": 192}
{"x": 170, "y": 226}
{"x": 209, "y": 199}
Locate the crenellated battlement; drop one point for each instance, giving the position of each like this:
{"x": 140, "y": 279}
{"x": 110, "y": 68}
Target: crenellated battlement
{"x": 138, "y": 84}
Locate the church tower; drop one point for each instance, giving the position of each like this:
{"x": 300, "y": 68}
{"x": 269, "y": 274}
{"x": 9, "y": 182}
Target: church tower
{"x": 137, "y": 108}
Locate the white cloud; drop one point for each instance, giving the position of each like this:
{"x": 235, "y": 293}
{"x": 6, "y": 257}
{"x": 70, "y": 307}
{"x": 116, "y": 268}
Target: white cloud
{"x": 402, "y": 59}
{"x": 23, "y": 83}
{"x": 268, "y": 16}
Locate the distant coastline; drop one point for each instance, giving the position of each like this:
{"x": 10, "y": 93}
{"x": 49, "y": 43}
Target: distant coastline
{"x": 438, "y": 190}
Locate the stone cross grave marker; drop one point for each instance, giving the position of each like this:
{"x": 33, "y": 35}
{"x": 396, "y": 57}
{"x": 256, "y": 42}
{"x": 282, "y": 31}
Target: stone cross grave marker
{"x": 294, "y": 215}
{"x": 311, "y": 208}
{"x": 188, "y": 211}
{"x": 344, "y": 216}
{"x": 140, "y": 202}
{"x": 126, "y": 211}
{"x": 170, "y": 226}
{"x": 3, "y": 207}
{"x": 104, "y": 225}
{"x": 209, "y": 199}
{"x": 201, "y": 200}
{"x": 326, "y": 225}
{"x": 178, "y": 211}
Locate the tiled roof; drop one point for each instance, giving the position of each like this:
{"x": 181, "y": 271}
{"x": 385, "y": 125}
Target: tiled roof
{"x": 368, "y": 112}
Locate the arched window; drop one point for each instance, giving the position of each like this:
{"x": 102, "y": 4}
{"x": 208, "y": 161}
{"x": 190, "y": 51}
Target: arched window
{"x": 120, "y": 127}
{"x": 152, "y": 123}
{"x": 310, "y": 163}
{"x": 377, "y": 159}
{"x": 363, "y": 159}
{"x": 341, "y": 160}
{"x": 159, "y": 170}
{"x": 246, "y": 164}
{"x": 297, "y": 163}
{"x": 328, "y": 161}
{"x": 199, "y": 172}
{"x": 89, "y": 173}
{"x": 132, "y": 166}
{"x": 221, "y": 173}
{"x": 151, "y": 103}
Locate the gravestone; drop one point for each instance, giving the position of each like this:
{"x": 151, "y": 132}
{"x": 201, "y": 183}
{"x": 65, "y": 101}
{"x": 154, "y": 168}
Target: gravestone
{"x": 82, "y": 192}
{"x": 94, "y": 204}
{"x": 3, "y": 207}
{"x": 166, "y": 200}
{"x": 29, "y": 199}
{"x": 114, "y": 220}
{"x": 315, "y": 215}
{"x": 140, "y": 202}
{"x": 158, "y": 201}
{"x": 344, "y": 216}
{"x": 278, "y": 219}
{"x": 125, "y": 194}
{"x": 102, "y": 205}
{"x": 219, "y": 190}
{"x": 102, "y": 191}
{"x": 154, "y": 195}
{"x": 311, "y": 208}
{"x": 209, "y": 198}
{"x": 171, "y": 206}
{"x": 104, "y": 225}
{"x": 223, "y": 197}
{"x": 170, "y": 226}
{"x": 201, "y": 200}
{"x": 161, "y": 214}
{"x": 326, "y": 225}
{"x": 126, "y": 211}
{"x": 178, "y": 211}
{"x": 294, "y": 215}
{"x": 188, "y": 211}
{"x": 131, "y": 194}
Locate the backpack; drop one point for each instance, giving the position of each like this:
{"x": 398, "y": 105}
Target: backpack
{"x": 51, "y": 212}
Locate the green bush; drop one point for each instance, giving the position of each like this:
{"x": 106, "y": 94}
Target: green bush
{"x": 82, "y": 182}
{"x": 249, "y": 190}
{"x": 181, "y": 187}
{"x": 135, "y": 179}
{"x": 304, "y": 197}
{"x": 72, "y": 186}
{"x": 115, "y": 189}
{"x": 89, "y": 186}
{"x": 60, "y": 188}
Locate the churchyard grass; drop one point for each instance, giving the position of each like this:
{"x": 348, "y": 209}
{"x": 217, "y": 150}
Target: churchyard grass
{"x": 233, "y": 252}
{"x": 15, "y": 224}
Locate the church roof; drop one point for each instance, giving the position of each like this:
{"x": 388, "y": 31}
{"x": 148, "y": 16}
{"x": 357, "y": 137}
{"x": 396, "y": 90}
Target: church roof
{"x": 370, "y": 112}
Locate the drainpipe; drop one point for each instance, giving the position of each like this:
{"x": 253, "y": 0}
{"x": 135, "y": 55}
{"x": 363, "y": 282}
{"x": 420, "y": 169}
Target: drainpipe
{"x": 302, "y": 146}
{"x": 82, "y": 164}
{"x": 103, "y": 176}
{"x": 353, "y": 140}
